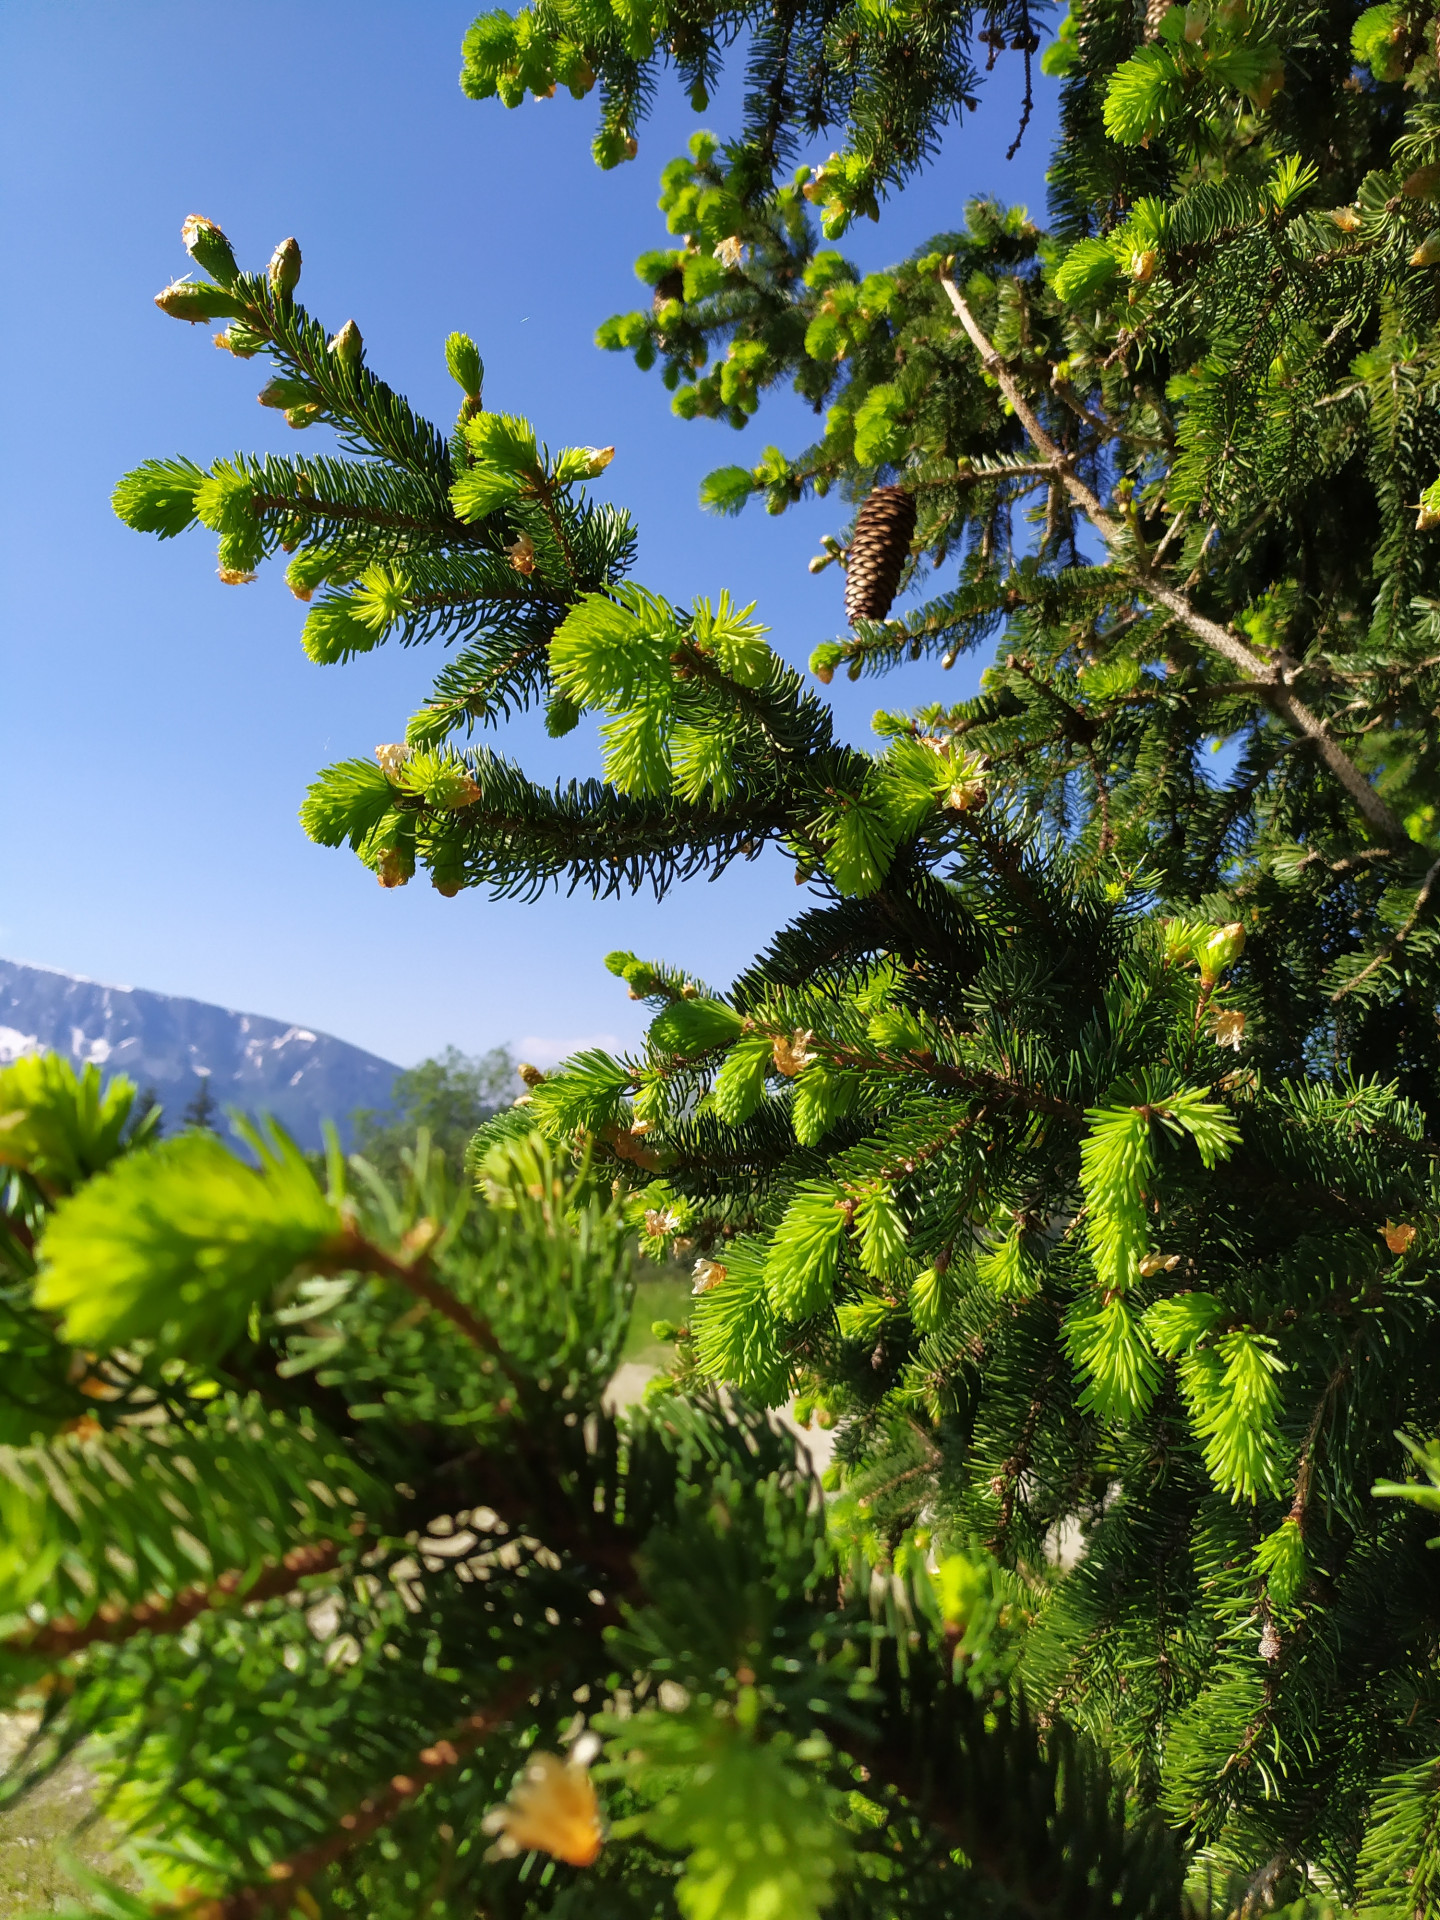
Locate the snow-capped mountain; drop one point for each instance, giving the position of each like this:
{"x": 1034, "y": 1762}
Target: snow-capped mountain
{"x": 160, "y": 1041}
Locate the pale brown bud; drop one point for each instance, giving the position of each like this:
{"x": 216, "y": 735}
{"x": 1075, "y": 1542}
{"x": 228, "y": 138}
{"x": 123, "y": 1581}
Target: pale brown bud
{"x": 708, "y": 1275}
{"x": 793, "y": 1055}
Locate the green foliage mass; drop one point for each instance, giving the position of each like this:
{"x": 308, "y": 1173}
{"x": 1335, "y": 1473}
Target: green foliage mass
{"x": 324, "y": 1585}
{"x": 1074, "y": 1148}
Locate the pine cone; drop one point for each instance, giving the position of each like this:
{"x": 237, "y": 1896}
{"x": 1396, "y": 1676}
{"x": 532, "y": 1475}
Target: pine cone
{"x": 670, "y": 286}
{"x": 879, "y": 549}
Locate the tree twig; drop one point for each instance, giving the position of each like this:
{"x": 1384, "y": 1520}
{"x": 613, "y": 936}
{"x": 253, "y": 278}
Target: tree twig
{"x": 1273, "y": 677}
{"x": 63, "y": 1637}
{"x": 376, "y": 1810}
{"x": 1392, "y": 947}
{"x": 351, "y": 1252}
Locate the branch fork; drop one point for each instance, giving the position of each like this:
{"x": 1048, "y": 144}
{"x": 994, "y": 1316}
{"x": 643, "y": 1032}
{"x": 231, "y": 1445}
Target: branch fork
{"x": 1271, "y": 679}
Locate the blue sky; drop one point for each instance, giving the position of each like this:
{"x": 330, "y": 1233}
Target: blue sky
{"x": 157, "y": 728}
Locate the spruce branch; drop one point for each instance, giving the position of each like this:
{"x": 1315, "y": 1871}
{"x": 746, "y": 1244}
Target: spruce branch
{"x": 311, "y": 506}
{"x": 111, "y": 1624}
{"x": 1270, "y": 679}
{"x": 1392, "y": 946}
{"x": 288, "y": 1877}
{"x": 352, "y": 1252}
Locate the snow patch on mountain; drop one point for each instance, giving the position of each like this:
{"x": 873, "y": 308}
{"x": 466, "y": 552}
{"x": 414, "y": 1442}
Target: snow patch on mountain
{"x": 162, "y": 1041}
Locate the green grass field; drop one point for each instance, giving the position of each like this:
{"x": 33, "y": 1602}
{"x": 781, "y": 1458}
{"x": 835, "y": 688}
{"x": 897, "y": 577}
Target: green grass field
{"x": 662, "y": 1295}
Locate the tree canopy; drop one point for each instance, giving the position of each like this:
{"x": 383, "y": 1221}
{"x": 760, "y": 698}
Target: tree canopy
{"x": 1074, "y": 1147}
{"x": 449, "y": 1095}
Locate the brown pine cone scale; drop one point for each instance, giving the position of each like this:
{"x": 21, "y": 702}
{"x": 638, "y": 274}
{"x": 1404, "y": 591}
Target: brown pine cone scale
{"x": 879, "y": 548}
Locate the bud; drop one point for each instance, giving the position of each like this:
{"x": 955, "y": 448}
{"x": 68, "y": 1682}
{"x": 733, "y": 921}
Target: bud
{"x": 1197, "y": 19}
{"x": 730, "y": 252}
{"x": 1398, "y": 1236}
{"x": 1427, "y": 253}
{"x": 284, "y": 269}
{"x": 193, "y": 301}
{"x": 1420, "y": 184}
{"x": 243, "y": 342}
{"x": 1346, "y": 218}
{"x": 793, "y": 1055}
{"x": 302, "y": 416}
{"x": 532, "y": 1076}
{"x": 235, "y": 577}
{"x": 208, "y": 248}
{"x": 347, "y": 345}
{"x": 522, "y": 555}
{"x": 462, "y": 357}
{"x": 1142, "y": 265}
{"x": 600, "y": 458}
{"x": 395, "y": 867}
{"x": 1229, "y": 1028}
{"x": 632, "y": 146}
{"x": 454, "y": 788}
{"x": 392, "y": 760}
{"x": 552, "y": 1810}
{"x": 708, "y": 1275}
{"x": 1221, "y": 950}
{"x": 284, "y": 394}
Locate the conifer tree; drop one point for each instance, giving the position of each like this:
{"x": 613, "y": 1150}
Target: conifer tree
{"x": 1075, "y": 1148}
{"x": 202, "y": 1107}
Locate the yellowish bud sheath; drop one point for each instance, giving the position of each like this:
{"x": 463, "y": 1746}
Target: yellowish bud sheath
{"x": 1220, "y": 951}
{"x": 284, "y": 268}
{"x": 552, "y": 1809}
{"x": 348, "y": 345}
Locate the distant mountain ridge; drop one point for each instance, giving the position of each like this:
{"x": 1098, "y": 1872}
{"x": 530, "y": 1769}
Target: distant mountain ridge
{"x": 162, "y": 1041}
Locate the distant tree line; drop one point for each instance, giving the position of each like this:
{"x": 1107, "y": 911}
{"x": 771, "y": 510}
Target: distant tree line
{"x": 449, "y": 1095}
